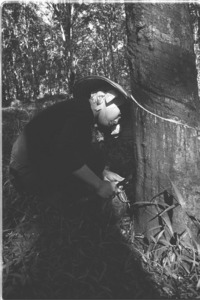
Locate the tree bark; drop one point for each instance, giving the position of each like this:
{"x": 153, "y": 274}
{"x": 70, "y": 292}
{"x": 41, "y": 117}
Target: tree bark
{"x": 164, "y": 81}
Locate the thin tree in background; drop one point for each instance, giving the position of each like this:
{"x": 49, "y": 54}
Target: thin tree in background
{"x": 63, "y": 13}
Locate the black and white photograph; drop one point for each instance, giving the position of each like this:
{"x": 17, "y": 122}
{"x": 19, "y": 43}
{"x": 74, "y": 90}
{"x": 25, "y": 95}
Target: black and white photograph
{"x": 100, "y": 149}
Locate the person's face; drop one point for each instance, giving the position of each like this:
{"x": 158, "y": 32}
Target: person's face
{"x": 109, "y": 116}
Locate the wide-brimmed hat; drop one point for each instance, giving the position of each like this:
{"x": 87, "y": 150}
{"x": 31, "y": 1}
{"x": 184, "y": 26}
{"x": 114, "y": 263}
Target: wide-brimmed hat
{"x": 85, "y": 86}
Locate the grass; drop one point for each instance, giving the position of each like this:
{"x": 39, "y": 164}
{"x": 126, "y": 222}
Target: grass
{"x": 78, "y": 253}
{"x": 49, "y": 254}
{"x": 173, "y": 258}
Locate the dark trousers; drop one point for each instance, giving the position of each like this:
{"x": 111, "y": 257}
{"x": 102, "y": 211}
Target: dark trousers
{"x": 55, "y": 189}
{"x": 26, "y": 179}
{"x": 72, "y": 195}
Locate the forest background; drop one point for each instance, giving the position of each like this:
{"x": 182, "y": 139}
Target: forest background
{"x": 47, "y": 46}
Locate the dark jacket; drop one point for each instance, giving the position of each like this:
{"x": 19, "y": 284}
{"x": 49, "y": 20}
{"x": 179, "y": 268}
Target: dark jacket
{"x": 58, "y": 142}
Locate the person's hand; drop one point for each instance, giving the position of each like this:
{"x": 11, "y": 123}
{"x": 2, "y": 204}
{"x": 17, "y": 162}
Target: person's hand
{"x": 107, "y": 189}
{"x": 111, "y": 176}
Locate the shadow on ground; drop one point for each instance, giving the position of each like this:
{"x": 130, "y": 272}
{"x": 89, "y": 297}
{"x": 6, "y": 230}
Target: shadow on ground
{"x": 71, "y": 253}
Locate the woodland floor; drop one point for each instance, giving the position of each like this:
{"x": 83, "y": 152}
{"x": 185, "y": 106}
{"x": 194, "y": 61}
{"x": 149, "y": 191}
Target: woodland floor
{"x": 51, "y": 254}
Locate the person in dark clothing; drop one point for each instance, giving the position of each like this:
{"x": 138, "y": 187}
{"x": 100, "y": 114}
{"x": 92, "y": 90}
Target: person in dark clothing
{"x": 54, "y": 151}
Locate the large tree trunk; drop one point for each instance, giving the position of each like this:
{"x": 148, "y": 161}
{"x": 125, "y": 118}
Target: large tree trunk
{"x": 164, "y": 81}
